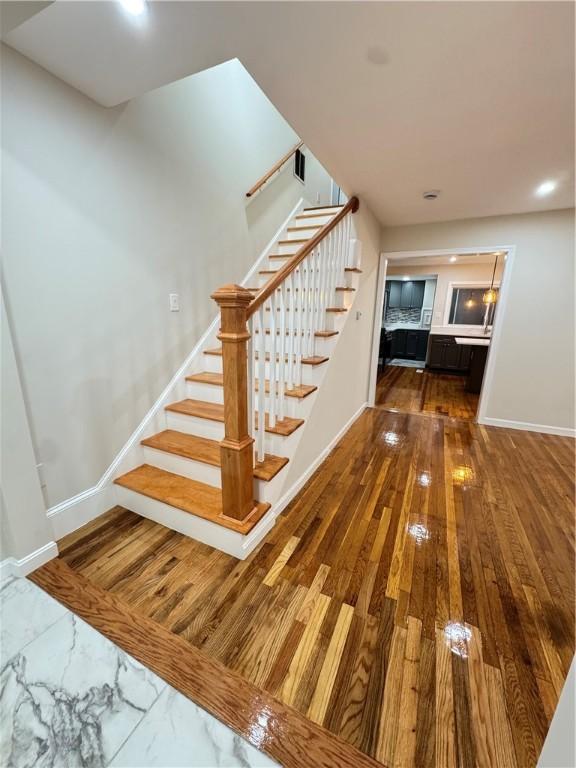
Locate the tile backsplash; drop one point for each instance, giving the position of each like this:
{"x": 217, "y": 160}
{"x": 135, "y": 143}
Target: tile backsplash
{"x": 394, "y": 315}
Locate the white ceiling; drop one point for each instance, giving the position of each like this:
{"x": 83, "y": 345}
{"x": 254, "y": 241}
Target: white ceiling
{"x": 473, "y": 98}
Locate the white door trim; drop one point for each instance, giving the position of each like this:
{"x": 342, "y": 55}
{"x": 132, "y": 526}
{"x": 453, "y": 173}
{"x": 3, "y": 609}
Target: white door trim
{"x": 499, "y": 318}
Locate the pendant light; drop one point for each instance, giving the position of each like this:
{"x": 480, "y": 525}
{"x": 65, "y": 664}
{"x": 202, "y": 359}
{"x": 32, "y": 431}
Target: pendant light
{"x": 491, "y": 296}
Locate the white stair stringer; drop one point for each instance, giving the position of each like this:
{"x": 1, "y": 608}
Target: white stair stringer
{"x": 274, "y": 491}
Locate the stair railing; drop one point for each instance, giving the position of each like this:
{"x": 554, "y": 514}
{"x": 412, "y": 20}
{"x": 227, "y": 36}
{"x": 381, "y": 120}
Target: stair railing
{"x": 275, "y": 169}
{"x": 259, "y": 374}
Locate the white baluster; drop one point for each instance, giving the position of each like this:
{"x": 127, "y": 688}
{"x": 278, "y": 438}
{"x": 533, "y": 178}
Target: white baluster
{"x": 261, "y": 378}
{"x": 297, "y": 322}
{"x": 348, "y": 221}
{"x": 272, "y": 363}
{"x": 291, "y": 328}
{"x": 316, "y": 301}
{"x": 282, "y": 351}
{"x": 252, "y": 343}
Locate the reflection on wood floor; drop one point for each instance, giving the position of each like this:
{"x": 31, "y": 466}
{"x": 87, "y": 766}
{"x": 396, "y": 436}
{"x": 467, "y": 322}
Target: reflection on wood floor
{"x": 417, "y": 597}
{"x": 404, "y": 389}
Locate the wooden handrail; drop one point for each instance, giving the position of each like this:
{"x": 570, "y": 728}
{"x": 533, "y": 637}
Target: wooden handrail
{"x": 351, "y": 207}
{"x": 273, "y": 170}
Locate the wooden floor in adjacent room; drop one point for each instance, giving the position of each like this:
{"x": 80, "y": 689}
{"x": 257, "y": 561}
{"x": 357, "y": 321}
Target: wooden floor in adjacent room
{"x": 413, "y": 390}
{"x": 416, "y": 598}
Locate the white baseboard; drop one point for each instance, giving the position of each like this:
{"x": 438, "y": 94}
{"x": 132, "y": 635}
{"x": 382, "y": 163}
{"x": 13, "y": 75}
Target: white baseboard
{"x": 25, "y": 565}
{"x": 7, "y": 568}
{"x": 81, "y": 509}
{"x": 303, "y": 479}
{"x": 528, "y": 427}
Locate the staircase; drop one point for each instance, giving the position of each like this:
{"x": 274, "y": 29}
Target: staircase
{"x": 216, "y": 471}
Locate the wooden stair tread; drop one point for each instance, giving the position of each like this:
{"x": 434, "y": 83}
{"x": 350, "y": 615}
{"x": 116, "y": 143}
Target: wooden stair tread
{"x": 319, "y": 334}
{"x": 207, "y": 377}
{"x": 314, "y": 360}
{"x": 336, "y": 309}
{"x": 217, "y": 379}
{"x": 322, "y": 207}
{"x": 295, "y": 240}
{"x": 208, "y": 451}
{"x": 344, "y": 288}
{"x": 313, "y": 215}
{"x": 300, "y": 392}
{"x": 199, "y": 408}
{"x": 304, "y": 226}
{"x": 215, "y": 412}
{"x": 188, "y": 495}
{"x": 217, "y": 351}
{"x": 353, "y": 269}
{"x": 282, "y": 427}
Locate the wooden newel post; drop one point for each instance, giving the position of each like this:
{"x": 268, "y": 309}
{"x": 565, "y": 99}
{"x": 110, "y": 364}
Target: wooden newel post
{"x": 236, "y": 448}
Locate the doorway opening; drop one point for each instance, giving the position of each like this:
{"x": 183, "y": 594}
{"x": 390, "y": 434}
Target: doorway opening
{"x": 438, "y": 318}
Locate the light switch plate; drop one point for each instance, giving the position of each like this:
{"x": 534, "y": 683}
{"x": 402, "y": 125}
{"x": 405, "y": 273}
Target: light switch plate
{"x": 174, "y": 302}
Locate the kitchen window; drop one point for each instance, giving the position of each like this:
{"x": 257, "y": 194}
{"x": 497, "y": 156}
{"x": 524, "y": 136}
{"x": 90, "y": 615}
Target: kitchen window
{"x": 466, "y": 307}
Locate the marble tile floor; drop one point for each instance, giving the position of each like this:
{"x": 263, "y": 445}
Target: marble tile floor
{"x": 70, "y": 698}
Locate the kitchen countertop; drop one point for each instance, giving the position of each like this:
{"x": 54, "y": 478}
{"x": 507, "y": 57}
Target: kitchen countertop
{"x": 405, "y": 327}
{"x": 449, "y": 330}
{"x": 472, "y": 342}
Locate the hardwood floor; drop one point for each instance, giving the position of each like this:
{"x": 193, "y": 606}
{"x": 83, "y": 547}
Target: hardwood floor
{"x": 416, "y": 598}
{"x": 404, "y": 389}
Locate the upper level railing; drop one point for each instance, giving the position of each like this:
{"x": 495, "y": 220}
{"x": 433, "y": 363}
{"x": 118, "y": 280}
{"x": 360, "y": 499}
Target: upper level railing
{"x": 266, "y": 340}
{"x": 275, "y": 168}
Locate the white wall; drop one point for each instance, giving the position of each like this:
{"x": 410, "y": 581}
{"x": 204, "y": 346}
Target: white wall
{"x": 106, "y": 212}
{"x": 534, "y": 369}
{"x": 446, "y": 274}
{"x": 24, "y": 527}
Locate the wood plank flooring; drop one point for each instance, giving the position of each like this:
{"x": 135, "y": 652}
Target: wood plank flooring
{"x": 416, "y": 599}
{"x": 404, "y": 389}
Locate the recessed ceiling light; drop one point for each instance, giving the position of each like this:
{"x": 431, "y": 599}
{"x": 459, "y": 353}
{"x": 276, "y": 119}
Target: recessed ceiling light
{"x": 546, "y": 188}
{"x": 133, "y": 7}
{"x": 453, "y": 258}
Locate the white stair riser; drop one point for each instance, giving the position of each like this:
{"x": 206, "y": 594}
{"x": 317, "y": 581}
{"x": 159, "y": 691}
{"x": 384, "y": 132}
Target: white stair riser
{"x": 321, "y": 348}
{"x": 293, "y": 405}
{"x": 214, "y": 430}
{"x": 321, "y": 220}
{"x": 347, "y": 280}
{"x": 327, "y": 210}
{"x": 301, "y": 234}
{"x": 265, "y": 491}
{"x": 191, "y": 425}
{"x": 210, "y": 393}
{"x": 211, "y": 363}
{"x": 179, "y": 465}
{"x": 214, "y": 535}
{"x": 283, "y": 247}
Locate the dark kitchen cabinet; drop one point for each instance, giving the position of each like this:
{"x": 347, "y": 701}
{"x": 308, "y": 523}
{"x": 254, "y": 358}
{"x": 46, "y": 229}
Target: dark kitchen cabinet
{"x": 418, "y": 287}
{"x": 436, "y": 353}
{"x": 422, "y": 346}
{"x": 411, "y": 344}
{"x": 394, "y": 288}
{"x": 445, "y": 354}
{"x": 466, "y": 357}
{"x": 405, "y": 294}
{"x": 399, "y": 343}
